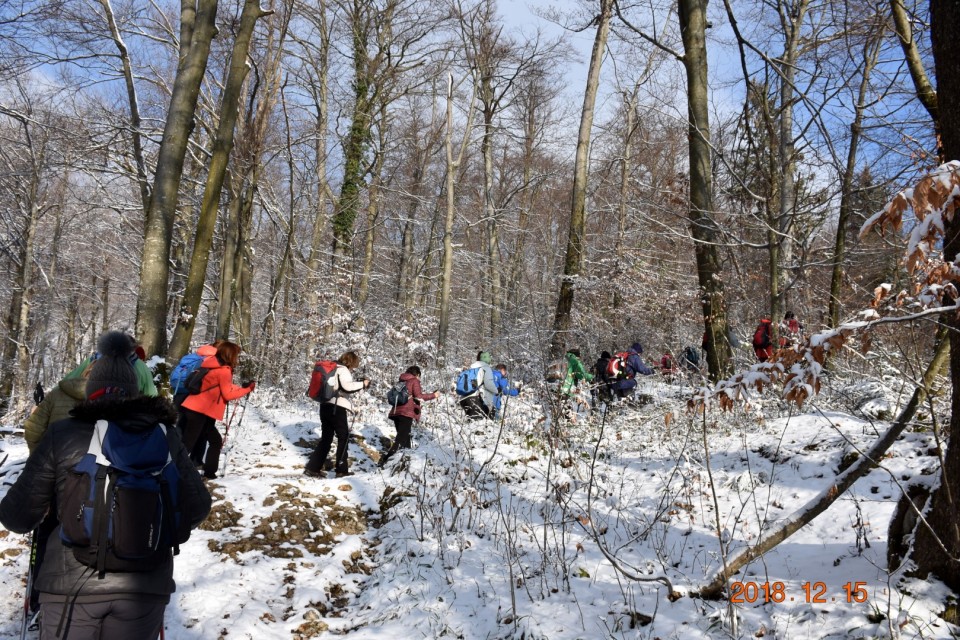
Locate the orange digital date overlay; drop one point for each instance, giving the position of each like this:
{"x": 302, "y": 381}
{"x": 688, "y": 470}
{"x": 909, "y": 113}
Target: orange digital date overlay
{"x": 813, "y": 593}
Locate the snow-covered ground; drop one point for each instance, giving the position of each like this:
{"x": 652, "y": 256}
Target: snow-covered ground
{"x": 532, "y": 528}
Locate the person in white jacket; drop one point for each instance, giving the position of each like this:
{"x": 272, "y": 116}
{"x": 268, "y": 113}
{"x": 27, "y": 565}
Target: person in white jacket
{"x": 479, "y": 404}
{"x": 334, "y": 414}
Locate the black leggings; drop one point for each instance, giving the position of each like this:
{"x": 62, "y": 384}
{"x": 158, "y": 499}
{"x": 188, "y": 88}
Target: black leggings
{"x": 198, "y": 427}
{"x": 333, "y": 422}
{"x": 404, "y": 425}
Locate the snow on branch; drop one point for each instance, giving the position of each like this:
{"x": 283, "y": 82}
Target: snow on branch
{"x": 798, "y": 368}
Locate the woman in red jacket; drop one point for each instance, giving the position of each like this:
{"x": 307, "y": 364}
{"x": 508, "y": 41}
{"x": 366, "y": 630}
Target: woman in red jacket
{"x": 202, "y": 410}
{"x": 404, "y": 415}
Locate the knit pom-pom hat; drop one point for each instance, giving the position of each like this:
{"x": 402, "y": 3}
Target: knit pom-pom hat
{"x": 112, "y": 372}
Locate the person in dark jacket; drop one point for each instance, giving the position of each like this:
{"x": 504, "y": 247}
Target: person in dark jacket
{"x": 121, "y": 604}
{"x": 603, "y": 390}
{"x": 334, "y": 419}
{"x": 634, "y": 367}
{"x": 405, "y": 415}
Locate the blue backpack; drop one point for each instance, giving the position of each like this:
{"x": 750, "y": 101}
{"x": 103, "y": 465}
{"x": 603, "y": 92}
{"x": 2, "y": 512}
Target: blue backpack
{"x": 178, "y": 377}
{"x": 120, "y": 508}
{"x": 468, "y": 382}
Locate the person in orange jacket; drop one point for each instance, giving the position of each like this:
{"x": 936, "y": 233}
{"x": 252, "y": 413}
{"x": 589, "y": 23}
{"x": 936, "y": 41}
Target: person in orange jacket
{"x": 202, "y": 410}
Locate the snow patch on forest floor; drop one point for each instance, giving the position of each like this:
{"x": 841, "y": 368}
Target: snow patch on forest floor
{"x": 505, "y": 530}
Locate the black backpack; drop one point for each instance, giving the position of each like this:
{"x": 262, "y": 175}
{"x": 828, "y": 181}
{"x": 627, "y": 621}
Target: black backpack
{"x": 194, "y": 382}
{"x": 398, "y": 395}
{"x": 120, "y": 509}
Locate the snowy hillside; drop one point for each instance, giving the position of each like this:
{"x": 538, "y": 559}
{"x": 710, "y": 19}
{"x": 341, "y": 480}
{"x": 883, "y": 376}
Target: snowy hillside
{"x": 527, "y": 529}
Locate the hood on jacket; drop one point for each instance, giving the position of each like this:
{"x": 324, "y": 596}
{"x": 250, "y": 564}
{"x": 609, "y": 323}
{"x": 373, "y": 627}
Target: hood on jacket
{"x": 139, "y": 413}
{"x": 406, "y": 377}
{"x": 207, "y": 350}
{"x": 212, "y": 362}
{"x": 76, "y": 388}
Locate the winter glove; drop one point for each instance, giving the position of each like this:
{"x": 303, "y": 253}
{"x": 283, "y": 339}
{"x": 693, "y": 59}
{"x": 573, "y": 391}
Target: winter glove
{"x": 250, "y": 384}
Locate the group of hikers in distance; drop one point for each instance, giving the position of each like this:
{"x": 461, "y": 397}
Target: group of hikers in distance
{"x": 104, "y": 437}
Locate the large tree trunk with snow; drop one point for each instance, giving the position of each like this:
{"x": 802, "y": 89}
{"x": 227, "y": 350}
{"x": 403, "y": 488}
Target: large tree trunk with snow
{"x": 573, "y": 263}
{"x": 197, "y": 30}
{"x": 693, "y": 24}
{"x": 943, "y": 511}
{"x": 222, "y": 146}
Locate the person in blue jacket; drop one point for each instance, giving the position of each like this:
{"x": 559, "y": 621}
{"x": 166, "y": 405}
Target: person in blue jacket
{"x": 635, "y": 367}
{"x": 504, "y": 388}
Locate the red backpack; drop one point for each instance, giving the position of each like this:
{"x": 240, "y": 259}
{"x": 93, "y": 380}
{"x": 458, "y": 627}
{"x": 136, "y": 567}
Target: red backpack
{"x": 617, "y": 366}
{"x": 321, "y": 386}
{"x": 761, "y": 338}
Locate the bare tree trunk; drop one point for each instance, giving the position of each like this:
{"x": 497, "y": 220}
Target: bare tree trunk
{"x": 15, "y": 358}
{"x": 693, "y": 23}
{"x": 573, "y": 262}
{"x": 925, "y": 91}
{"x": 357, "y": 140}
{"x": 319, "y": 91}
{"x": 232, "y": 256}
{"x": 453, "y": 165}
{"x": 447, "y": 272}
{"x": 871, "y": 52}
{"x": 198, "y": 28}
{"x": 373, "y": 209}
{"x": 222, "y": 146}
{"x": 943, "y": 509}
{"x": 135, "y": 136}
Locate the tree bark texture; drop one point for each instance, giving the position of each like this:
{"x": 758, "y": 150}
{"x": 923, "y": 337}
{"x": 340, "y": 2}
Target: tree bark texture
{"x": 220, "y": 156}
{"x": 693, "y": 23}
{"x": 943, "y": 510}
{"x": 158, "y": 232}
{"x": 573, "y": 263}
{"x": 871, "y": 51}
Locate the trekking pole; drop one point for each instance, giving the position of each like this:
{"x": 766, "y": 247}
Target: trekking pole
{"x": 226, "y": 432}
{"x": 26, "y": 596}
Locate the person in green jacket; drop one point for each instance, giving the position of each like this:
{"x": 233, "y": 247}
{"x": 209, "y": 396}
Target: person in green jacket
{"x": 575, "y": 373}
{"x": 144, "y": 375}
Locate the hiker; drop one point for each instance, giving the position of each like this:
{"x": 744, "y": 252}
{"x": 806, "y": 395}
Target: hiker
{"x": 763, "y": 340}
{"x": 144, "y": 374}
{"x": 667, "y": 365}
{"x": 603, "y": 391}
{"x": 691, "y": 359}
{"x": 476, "y": 387}
{"x": 179, "y": 376}
{"x": 74, "y": 595}
{"x": 576, "y": 371}
{"x": 333, "y": 418}
{"x": 504, "y": 388}
{"x": 404, "y": 415}
{"x": 791, "y": 331}
{"x": 56, "y": 405}
{"x": 202, "y": 410}
{"x": 629, "y": 365}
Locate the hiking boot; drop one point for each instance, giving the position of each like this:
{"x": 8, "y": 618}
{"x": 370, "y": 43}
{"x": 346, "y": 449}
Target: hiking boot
{"x": 343, "y": 474}
{"x": 310, "y": 473}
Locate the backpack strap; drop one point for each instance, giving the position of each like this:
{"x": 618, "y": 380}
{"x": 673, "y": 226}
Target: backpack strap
{"x": 101, "y": 524}
{"x": 170, "y": 518}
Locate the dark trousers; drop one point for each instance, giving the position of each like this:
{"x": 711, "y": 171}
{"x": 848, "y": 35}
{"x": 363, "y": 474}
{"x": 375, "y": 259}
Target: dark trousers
{"x": 404, "y": 425}
{"x": 333, "y": 422}
{"x": 475, "y": 408}
{"x": 198, "y": 427}
{"x": 93, "y": 621}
